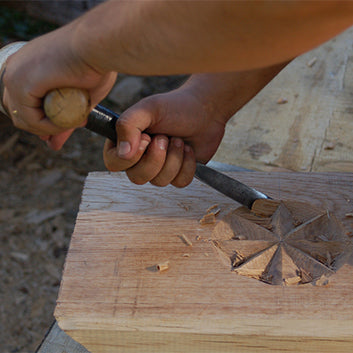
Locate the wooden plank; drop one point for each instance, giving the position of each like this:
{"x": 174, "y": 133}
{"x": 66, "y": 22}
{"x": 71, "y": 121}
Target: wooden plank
{"x": 113, "y": 300}
{"x": 312, "y": 131}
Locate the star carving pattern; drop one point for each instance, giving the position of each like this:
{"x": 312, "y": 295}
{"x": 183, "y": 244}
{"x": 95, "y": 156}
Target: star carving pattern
{"x": 297, "y": 244}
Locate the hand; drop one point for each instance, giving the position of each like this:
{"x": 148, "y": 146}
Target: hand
{"x": 43, "y": 64}
{"x": 193, "y": 117}
{"x": 195, "y": 131}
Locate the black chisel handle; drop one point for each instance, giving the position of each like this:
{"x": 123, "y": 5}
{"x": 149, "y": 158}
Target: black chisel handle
{"x": 102, "y": 121}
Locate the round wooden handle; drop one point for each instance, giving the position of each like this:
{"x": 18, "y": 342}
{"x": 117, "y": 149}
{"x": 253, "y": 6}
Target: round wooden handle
{"x": 67, "y": 107}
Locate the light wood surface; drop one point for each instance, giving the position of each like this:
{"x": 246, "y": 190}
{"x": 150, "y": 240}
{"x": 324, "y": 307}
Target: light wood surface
{"x": 313, "y": 130}
{"x": 112, "y": 298}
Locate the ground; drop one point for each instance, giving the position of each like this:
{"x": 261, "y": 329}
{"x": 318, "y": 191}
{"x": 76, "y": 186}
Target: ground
{"x": 40, "y": 193}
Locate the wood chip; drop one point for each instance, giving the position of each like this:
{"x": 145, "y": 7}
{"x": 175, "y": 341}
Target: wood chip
{"x": 329, "y": 146}
{"x": 349, "y": 215}
{"x": 292, "y": 280}
{"x": 322, "y": 281}
{"x": 185, "y": 239}
{"x": 311, "y": 62}
{"x": 163, "y": 266}
{"x": 282, "y": 101}
{"x": 209, "y": 218}
{"x": 213, "y": 209}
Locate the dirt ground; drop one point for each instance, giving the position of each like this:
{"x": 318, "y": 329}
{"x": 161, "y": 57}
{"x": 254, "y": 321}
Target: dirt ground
{"x": 40, "y": 193}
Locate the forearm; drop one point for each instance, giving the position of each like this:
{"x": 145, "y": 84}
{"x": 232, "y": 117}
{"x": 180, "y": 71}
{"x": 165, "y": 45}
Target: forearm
{"x": 223, "y": 94}
{"x": 168, "y": 37}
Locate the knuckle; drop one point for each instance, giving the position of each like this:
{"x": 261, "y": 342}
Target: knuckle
{"x": 136, "y": 179}
{"x": 159, "y": 182}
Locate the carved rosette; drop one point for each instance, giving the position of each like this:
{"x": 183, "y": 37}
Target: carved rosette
{"x": 297, "y": 244}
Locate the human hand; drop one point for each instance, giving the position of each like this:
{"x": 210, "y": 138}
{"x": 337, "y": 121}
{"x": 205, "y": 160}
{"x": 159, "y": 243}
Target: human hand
{"x": 46, "y": 63}
{"x": 181, "y": 128}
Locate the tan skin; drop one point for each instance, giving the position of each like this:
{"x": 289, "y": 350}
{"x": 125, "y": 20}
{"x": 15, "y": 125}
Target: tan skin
{"x": 234, "y": 47}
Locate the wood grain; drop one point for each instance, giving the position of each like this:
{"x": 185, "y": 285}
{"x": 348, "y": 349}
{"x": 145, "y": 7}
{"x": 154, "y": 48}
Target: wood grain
{"x": 312, "y": 131}
{"x": 112, "y": 300}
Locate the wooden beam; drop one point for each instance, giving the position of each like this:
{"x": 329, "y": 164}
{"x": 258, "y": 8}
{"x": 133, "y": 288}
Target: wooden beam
{"x": 302, "y": 120}
{"x": 113, "y": 299}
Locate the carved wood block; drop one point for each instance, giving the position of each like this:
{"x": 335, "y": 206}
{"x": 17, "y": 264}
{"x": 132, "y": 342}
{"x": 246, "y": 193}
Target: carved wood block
{"x": 113, "y": 298}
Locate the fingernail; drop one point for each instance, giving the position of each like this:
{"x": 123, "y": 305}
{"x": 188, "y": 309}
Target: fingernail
{"x": 143, "y": 145}
{"x": 124, "y": 148}
{"x": 178, "y": 143}
{"x": 162, "y": 143}
{"x": 187, "y": 148}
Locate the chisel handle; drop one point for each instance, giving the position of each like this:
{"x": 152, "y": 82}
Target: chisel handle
{"x": 65, "y": 107}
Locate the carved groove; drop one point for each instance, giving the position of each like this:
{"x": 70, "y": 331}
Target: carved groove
{"x": 296, "y": 244}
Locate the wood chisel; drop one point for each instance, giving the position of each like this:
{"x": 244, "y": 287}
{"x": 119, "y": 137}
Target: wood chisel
{"x": 68, "y": 107}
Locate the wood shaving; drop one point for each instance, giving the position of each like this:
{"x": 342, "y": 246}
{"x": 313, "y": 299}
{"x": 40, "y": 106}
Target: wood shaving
{"x": 311, "y": 62}
{"x": 292, "y": 280}
{"x": 330, "y": 146}
{"x": 349, "y": 215}
{"x": 209, "y": 218}
{"x": 162, "y": 266}
{"x": 322, "y": 281}
{"x": 282, "y": 101}
{"x": 213, "y": 209}
{"x": 185, "y": 239}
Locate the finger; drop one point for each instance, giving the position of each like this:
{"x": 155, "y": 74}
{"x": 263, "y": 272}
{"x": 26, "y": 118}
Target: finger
{"x": 130, "y": 126}
{"x": 34, "y": 121}
{"x": 116, "y": 164}
{"x": 55, "y": 142}
{"x": 187, "y": 171}
{"x": 173, "y": 163}
{"x": 151, "y": 163}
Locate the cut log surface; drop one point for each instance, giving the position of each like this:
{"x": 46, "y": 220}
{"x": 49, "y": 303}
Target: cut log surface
{"x": 113, "y": 299}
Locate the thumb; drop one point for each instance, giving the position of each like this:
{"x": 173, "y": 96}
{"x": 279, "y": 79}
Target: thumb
{"x": 130, "y": 126}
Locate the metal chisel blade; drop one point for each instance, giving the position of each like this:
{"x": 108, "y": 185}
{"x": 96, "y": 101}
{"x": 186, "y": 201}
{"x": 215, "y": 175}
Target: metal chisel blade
{"x": 228, "y": 186}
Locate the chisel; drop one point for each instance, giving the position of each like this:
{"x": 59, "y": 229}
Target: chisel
{"x": 69, "y": 107}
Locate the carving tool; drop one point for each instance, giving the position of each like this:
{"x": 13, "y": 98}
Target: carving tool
{"x": 69, "y": 107}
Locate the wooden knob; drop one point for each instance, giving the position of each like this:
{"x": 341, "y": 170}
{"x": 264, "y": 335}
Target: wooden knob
{"x": 67, "y": 107}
